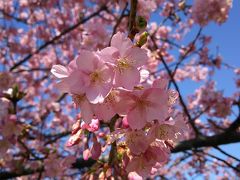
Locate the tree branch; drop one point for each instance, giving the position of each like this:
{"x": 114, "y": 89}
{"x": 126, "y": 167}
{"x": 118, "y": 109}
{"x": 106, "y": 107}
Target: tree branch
{"x": 71, "y": 28}
{"x": 207, "y": 141}
{"x": 132, "y": 19}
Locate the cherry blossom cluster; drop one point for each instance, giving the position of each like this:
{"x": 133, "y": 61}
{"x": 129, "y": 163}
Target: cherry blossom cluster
{"x": 211, "y": 10}
{"x": 112, "y": 84}
{"x": 213, "y": 102}
{"x": 9, "y": 129}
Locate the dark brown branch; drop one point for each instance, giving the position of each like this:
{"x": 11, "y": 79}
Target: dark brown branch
{"x": 208, "y": 141}
{"x": 236, "y": 124}
{"x": 225, "y": 162}
{"x": 14, "y": 174}
{"x": 132, "y": 19}
{"x": 54, "y": 39}
{"x": 13, "y": 17}
{"x": 113, "y": 151}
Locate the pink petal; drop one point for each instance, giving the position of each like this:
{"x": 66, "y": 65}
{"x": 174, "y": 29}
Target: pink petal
{"x": 86, "y": 111}
{"x": 121, "y": 42}
{"x": 63, "y": 86}
{"x": 77, "y": 82}
{"x": 86, "y": 61}
{"x": 136, "y": 118}
{"x": 137, "y": 56}
{"x": 159, "y": 108}
{"x": 109, "y": 54}
{"x": 96, "y": 149}
{"x": 96, "y": 93}
{"x": 104, "y": 111}
{"x": 128, "y": 78}
{"x": 125, "y": 103}
{"x": 137, "y": 142}
{"x": 160, "y": 83}
{"x": 59, "y": 71}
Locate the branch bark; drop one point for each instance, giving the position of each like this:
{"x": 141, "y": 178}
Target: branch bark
{"x": 207, "y": 141}
{"x": 132, "y": 19}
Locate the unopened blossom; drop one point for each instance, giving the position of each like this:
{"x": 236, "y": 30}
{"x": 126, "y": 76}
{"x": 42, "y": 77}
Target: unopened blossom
{"x": 96, "y": 148}
{"x": 4, "y": 108}
{"x": 6, "y": 81}
{"x": 126, "y": 59}
{"x": 91, "y": 127}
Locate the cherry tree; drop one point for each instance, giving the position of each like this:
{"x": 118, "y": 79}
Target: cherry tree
{"x": 91, "y": 90}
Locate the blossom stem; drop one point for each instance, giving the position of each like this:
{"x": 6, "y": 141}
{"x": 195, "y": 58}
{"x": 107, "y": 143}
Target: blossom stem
{"x": 113, "y": 151}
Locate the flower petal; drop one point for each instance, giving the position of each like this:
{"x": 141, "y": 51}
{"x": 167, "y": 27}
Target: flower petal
{"x": 96, "y": 93}
{"x": 59, "y": 71}
{"x": 86, "y": 61}
{"x": 121, "y": 42}
{"x": 128, "y": 78}
{"x": 137, "y": 56}
{"x": 109, "y": 54}
{"x": 136, "y": 118}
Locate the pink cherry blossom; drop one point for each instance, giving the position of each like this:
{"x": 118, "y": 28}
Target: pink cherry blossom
{"x": 142, "y": 106}
{"x": 215, "y": 10}
{"x": 126, "y": 59}
{"x": 99, "y": 76}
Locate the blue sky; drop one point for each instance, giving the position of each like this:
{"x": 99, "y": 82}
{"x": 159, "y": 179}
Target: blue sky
{"x": 225, "y": 38}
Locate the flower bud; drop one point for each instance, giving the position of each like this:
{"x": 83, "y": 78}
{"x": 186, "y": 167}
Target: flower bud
{"x": 143, "y": 39}
{"x": 141, "y": 23}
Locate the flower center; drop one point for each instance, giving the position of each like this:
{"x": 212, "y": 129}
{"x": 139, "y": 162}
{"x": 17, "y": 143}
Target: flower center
{"x": 123, "y": 64}
{"x": 95, "y": 77}
{"x": 141, "y": 103}
{"x": 162, "y": 131}
{"x": 78, "y": 99}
